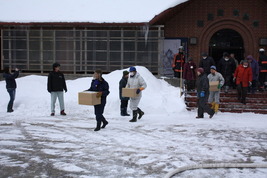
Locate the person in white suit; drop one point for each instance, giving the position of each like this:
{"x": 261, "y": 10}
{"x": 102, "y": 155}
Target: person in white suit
{"x": 136, "y": 81}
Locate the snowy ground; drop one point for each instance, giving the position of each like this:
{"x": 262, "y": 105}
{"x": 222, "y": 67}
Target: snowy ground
{"x": 32, "y": 143}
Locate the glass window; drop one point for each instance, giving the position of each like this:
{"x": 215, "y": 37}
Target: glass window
{"x": 34, "y": 45}
{"x": 19, "y": 44}
{"x": 129, "y": 45}
{"x": 115, "y": 56}
{"x": 115, "y": 45}
{"x": 101, "y": 45}
{"x": 48, "y": 45}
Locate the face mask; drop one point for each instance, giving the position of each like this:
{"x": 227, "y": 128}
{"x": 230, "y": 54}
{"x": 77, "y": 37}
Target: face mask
{"x": 131, "y": 74}
{"x": 245, "y": 66}
{"x": 227, "y": 59}
{"x": 204, "y": 57}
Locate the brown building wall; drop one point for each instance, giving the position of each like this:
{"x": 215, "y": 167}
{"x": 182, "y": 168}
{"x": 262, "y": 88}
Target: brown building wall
{"x": 184, "y": 23}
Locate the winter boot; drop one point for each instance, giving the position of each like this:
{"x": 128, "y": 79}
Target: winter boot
{"x": 212, "y": 113}
{"x": 134, "y": 116}
{"x": 216, "y": 107}
{"x": 63, "y": 113}
{"x": 105, "y": 122}
{"x": 125, "y": 112}
{"x": 98, "y": 124}
{"x": 213, "y": 105}
{"x": 122, "y": 112}
{"x": 140, "y": 112}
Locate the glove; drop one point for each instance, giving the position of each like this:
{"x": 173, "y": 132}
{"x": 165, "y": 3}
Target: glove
{"x": 99, "y": 94}
{"x": 202, "y": 94}
{"x": 234, "y": 79}
{"x": 138, "y": 91}
{"x": 250, "y": 83}
{"x": 66, "y": 91}
{"x": 219, "y": 86}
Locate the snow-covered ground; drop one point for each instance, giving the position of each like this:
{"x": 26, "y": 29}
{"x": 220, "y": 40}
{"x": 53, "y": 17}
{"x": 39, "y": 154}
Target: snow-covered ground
{"x": 33, "y": 143}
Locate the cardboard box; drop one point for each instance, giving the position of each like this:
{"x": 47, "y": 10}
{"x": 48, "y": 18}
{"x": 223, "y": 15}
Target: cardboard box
{"x": 129, "y": 92}
{"x": 214, "y": 86}
{"x": 88, "y": 98}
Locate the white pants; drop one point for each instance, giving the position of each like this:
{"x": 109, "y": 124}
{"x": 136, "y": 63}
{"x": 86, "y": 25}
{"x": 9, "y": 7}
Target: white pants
{"x": 214, "y": 97}
{"x": 134, "y": 102}
{"x": 54, "y": 96}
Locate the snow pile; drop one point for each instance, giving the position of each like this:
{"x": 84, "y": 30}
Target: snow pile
{"x": 32, "y": 96}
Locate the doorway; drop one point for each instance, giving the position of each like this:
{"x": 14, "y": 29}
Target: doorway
{"x": 226, "y": 40}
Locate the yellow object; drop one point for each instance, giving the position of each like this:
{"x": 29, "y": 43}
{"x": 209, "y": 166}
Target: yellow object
{"x": 213, "y": 105}
{"x": 216, "y": 108}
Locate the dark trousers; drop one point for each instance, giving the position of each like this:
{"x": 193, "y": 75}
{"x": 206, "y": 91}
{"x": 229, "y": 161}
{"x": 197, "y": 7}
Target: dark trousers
{"x": 262, "y": 78}
{"x": 177, "y": 74}
{"x": 253, "y": 87}
{"x": 124, "y": 103}
{"x": 242, "y": 93}
{"x": 99, "y": 110}
{"x": 12, "y": 94}
{"x": 190, "y": 84}
{"x": 202, "y": 106}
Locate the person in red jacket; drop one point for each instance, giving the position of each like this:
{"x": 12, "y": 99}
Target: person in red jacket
{"x": 243, "y": 79}
{"x": 189, "y": 74}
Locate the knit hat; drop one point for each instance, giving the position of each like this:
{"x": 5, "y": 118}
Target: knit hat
{"x": 132, "y": 69}
{"x": 204, "y": 54}
{"x": 56, "y": 65}
{"x": 200, "y": 70}
{"x": 226, "y": 54}
{"x": 213, "y": 67}
{"x": 125, "y": 73}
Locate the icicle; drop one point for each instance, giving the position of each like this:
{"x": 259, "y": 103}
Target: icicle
{"x": 146, "y": 31}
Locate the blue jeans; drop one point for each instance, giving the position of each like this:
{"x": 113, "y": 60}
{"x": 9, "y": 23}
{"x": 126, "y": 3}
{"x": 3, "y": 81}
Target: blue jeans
{"x": 12, "y": 94}
{"x": 54, "y": 96}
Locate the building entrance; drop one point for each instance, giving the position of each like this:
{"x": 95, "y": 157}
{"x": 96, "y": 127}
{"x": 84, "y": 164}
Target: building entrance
{"x": 226, "y": 40}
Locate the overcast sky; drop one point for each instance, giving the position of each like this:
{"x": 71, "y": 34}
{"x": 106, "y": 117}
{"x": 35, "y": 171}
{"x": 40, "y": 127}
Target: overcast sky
{"x": 82, "y": 10}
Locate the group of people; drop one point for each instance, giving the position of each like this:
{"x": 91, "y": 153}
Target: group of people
{"x": 248, "y": 76}
{"x": 56, "y": 85}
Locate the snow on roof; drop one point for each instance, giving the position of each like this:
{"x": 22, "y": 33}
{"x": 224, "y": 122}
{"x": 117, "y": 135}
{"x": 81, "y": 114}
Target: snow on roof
{"x": 99, "y": 11}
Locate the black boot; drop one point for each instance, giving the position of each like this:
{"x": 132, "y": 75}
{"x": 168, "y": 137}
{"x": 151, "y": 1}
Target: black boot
{"x": 98, "y": 124}
{"x": 134, "y": 116}
{"x": 125, "y": 112}
{"x": 105, "y": 122}
{"x": 140, "y": 112}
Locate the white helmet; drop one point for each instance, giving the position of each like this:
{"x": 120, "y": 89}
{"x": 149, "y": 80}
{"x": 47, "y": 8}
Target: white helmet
{"x": 261, "y": 50}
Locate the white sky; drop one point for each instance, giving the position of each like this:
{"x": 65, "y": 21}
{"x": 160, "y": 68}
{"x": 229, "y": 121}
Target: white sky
{"x": 82, "y": 10}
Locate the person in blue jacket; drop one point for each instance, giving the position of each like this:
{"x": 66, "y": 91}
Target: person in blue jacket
{"x": 11, "y": 86}
{"x": 99, "y": 85}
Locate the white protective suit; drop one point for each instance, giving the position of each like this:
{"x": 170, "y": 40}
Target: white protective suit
{"x": 136, "y": 82}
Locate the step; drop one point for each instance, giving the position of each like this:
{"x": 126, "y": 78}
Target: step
{"x": 257, "y": 111}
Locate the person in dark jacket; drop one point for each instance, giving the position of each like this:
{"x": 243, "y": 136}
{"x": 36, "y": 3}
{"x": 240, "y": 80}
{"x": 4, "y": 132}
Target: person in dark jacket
{"x": 206, "y": 62}
{"x": 189, "y": 74}
{"x": 243, "y": 79}
{"x": 124, "y": 100}
{"x": 99, "y": 85}
{"x": 263, "y": 69}
{"x": 255, "y": 73}
{"x": 227, "y": 67}
{"x": 178, "y": 62}
{"x": 11, "y": 86}
{"x": 203, "y": 94}
{"x": 55, "y": 85}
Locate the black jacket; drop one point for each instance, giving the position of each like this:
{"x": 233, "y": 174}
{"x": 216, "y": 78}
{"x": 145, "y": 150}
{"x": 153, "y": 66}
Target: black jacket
{"x": 203, "y": 84}
{"x": 206, "y": 63}
{"x": 122, "y": 84}
{"x": 100, "y": 86}
{"x": 10, "y": 79}
{"x": 263, "y": 62}
{"x": 226, "y": 68}
{"x": 56, "y": 82}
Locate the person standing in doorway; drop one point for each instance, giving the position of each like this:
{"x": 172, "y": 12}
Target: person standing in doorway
{"x": 124, "y": 100}
{"x": 136, "y": 81}
{"x": 190, "y": 74}
{"x": 203, "y": 94}
{"x": 55, "y": 85}
{"x": 243, "y": 79}
{"x": 178, "y": 62}
{"x": 232, "y": 55}
{"x": 206, "y": 62}
{"x": 227, "y": 67}
{"x": 100, "y": 85}
{"x": 214, "y": 96}
{"x": 11, "y": 86}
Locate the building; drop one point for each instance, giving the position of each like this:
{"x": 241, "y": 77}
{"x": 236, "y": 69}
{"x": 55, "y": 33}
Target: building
{"x": 234, "y": 26}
